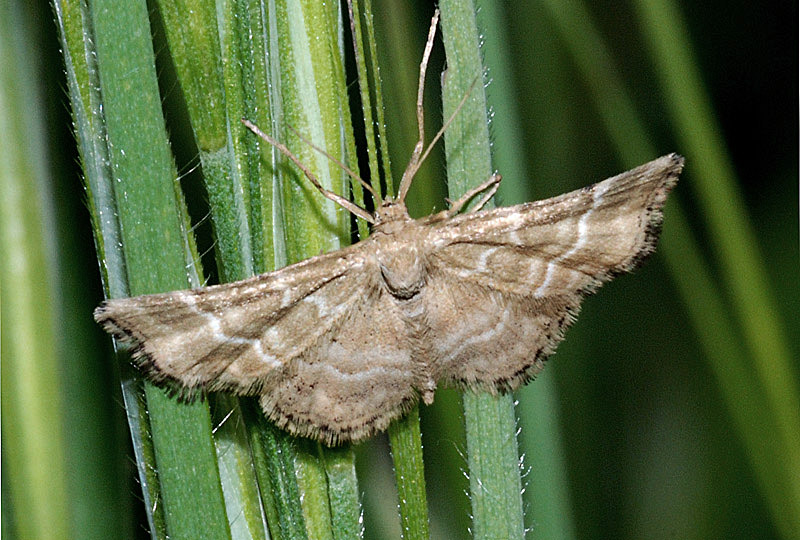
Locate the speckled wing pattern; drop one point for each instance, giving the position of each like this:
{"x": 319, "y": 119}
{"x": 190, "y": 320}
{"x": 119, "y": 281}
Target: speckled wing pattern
{"x": 339, "y": 345}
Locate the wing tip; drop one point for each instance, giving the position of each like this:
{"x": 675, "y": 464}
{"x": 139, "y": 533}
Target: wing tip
{"x": 672, "y": 167}
{"x": 107, "y": 314}
{"x": 661, "y": 175}
{"x": 665, "y": 171}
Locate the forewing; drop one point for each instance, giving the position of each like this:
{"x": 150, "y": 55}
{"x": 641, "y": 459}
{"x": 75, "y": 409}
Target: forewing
{"x": 520, "y": 272}
{"x": 569, "y": 243}
{"x": 237, "y": 336}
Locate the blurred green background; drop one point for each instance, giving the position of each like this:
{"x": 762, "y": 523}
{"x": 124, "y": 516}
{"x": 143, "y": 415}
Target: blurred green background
{"x": 657, "y": 436}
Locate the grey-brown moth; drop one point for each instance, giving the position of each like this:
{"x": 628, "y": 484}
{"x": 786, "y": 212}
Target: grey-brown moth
{"x": 339, "y": 345}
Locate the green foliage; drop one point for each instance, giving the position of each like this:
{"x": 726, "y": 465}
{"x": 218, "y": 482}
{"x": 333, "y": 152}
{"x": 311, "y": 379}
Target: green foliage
{"x": 671, "y": 408}
{"x": 492, "y": 454}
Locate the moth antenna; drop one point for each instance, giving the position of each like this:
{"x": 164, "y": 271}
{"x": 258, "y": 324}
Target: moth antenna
{"x": 344, "y": 167}
{"x": 448, "y": 122}
{"x": 414, "y": 162}
{"x": 338, "y": 199}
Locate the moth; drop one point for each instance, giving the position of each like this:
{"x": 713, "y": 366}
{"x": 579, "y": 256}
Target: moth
{"x": 338, "y": 346}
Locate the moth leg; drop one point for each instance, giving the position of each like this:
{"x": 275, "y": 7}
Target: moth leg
{"x": 490, "y": 187}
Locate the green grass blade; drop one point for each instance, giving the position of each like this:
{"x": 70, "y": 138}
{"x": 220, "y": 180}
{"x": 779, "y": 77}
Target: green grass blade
{"x": 152, "y": 230}
{"x": 275, "y": 455}
{"x": 313, "y": 100}
{"x": 546, "y": 493}
{"x": 238, "y": 469}
{"x": 83, "y": 83}
{"x": 343, "y": 492}
{"x": 719, "y": 335}
{"x": 409, "y": 472}
{"x": 740, "y": 260}
{"x": 312, "y": 482}
{"x": 208, "y": 63}
{"x": 34, "y": 445}
{"x": 142, "y": 197}
{"x": 494, "y": 471}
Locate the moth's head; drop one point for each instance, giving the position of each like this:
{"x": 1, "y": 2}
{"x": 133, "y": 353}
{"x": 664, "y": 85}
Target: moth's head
{"x": 391, "y": 211}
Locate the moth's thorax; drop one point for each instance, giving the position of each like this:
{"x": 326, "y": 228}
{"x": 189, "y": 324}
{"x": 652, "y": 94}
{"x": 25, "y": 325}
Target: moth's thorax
{"x": 402, "y": 268}
{"x": 399, "y": 252}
